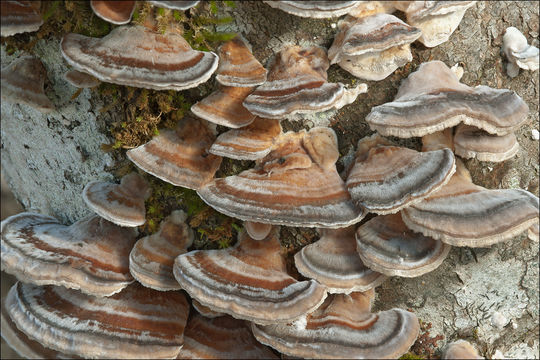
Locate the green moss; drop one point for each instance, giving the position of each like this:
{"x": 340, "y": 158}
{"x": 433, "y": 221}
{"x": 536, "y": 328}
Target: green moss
{"x": 411, "y": 356}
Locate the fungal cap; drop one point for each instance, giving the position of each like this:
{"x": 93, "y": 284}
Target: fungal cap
{"x": 122, "y": 204}
{"x": 175, "y": 4}
{"x": 333, "y": 262}
{"x": 137, "y": 322}
{"x": 237, "y": 65}
{"x": 518, "y": 52}
{"x": 90, "y": 255}
{"x": 152, "y": 258}
{"x": 80, "y": 79}
{"x": 251, "y": 142}
{"x": 315, "y": 9}
{"x": 460, "y": 349}
{"x": 386, "y": 245}
{"x": 115, "y": 12}
{"x": 23, "y": 83}
{"x": 148, "y": 59}
{"x": 19, "y": 17}
{"x": 179, "y": 157}
{"x": 248, "y": 281}
{"x": 471, "y": 142}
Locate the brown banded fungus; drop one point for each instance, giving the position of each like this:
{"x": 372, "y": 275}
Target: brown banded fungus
{"x": 297, "y": 83}
{"x": 115, "y": 12}
{"x": 251, "y": 142}
{"x": 136, "y": 323}
{"x": 518, "y": 53}
{"x": 147, "y": 59}
{"x": 257, "y": 231}
{"x": 315, "y": 9}
{"x": 23, "y": 82}
{"x": 334, "y": 263}
{"x": 19, "y": 17}
{"x": 122, "y": 204}
{"x": 179, "y": 156}
{"x": 436, "y": 19}
{"x": 248, "y": 281}
{"x": 344, "y": 327}
{"x": 175, "y": 4}
{"x": 386, "y": 245}
{"x": 464, "y": 214}
{"x": 237, "y": 65}
{"x": 22, "y": 344}
{"x": 205, "y": 310}
{"x": 224, "y": 107}
{"x": 432, "y": 99}
{"x": 152, "y": 258}
{"x": 386, "y": 179}
{"x": 372, "y": 47}
{"x": 471, "y": 142}
{"x": 460, "y": 349}
{"x": 295, "y": 185}
{"x": 221, "y": 338}
{"x": 90, "y": 255}
{"x": 80, "y": 79}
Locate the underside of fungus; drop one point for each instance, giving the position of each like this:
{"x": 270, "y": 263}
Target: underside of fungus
{"x": 115, "y": 12}
{"x": 151, "y": 259}
{"x": 91, "y": 255}
{"x": 386, "y": 245}
{"x": 23, "y": 83}
{"x": 372, "y": 47}
{"x": 179, "y": 156}
{"x": 136, "y": 323}
{"x": 137, "y": 56}
{"x": 295, "y": 185}
{"x": 297, "y": 84}
{"x": 385, "y": 179}
{"x": 334, "y": 263}
{"x": 344, "y": 327}
{"x": 248, "y": 281}
{"x": 315, "y": 9}
{"x": 432, "y": 99}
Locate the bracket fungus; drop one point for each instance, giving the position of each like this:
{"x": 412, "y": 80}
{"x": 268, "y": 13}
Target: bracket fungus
{"x": 296, "y": 184}
{"x": 372, "y": 47}
{"x": 518, "y": 53}
{"x": 296, "y": 83}
{"x": 19, "y": 17}
{"x": 471, "y": 142}
{"x": 464, "y": 214}
{"x": 386, "y": 179}
{"x": 533, "y": 231}
{"x": 115, "y": 12}
{"x": 315, "y": 9}
{"x": 224, "y": 107}
{"x": 257, "y": 231}
{"x": 221, "y": 338}
{"x": 122, "y": 204}
{"x": 333, "y": 262}
{"x": 22, "y": 344}
{"x": 386, "y": 245}
{"x": 432, "y": 99}
{"x": 437, "y": 19}
{"x": 344, "y": 327}
{"x": 179, "y": 156}
{"x": 80, "y": 79}
{"x": 135, "y": 323}
{"x": 23, "y": 82}
{"x": 460, "y": 349}
{"x": 90, "y": 255}
{"x": 248, "y": 281}
{"x": 137, "y": 56}
{"x": 152, "y": 258}
{"x": 205, "y": 310}
{"x": 237, "y": 65}
{"x": 175, "y": 4}
{"x": 251, "y": 142}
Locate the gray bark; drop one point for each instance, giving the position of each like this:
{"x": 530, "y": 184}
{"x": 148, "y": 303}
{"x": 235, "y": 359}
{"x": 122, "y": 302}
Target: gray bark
{"x": 47, "y": 160}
